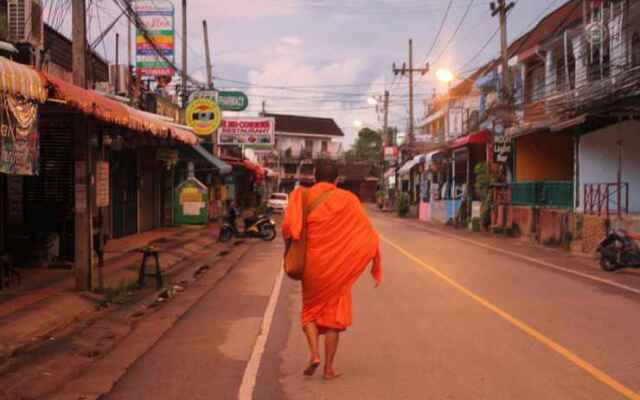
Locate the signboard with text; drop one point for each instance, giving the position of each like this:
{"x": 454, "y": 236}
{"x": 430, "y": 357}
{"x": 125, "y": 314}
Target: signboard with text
{"x": 502, "y": 149}
{"x": 158, "y": 19}
{"x": 233, "y": 101}
{"x": 247, "y": 131}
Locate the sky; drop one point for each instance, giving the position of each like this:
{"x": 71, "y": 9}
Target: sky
{"x": 327, "y": 57}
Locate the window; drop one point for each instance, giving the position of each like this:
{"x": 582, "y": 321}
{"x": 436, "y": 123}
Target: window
{"x": 535, "y": 84}
{"x": 308, "y": 144}
{"x": 325, "y": 146}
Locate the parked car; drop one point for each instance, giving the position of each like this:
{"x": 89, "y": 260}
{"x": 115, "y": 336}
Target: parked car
{"x": 278, "y": 202}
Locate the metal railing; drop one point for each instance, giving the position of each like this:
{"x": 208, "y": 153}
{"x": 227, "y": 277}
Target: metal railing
{"x": 607, "y": 198}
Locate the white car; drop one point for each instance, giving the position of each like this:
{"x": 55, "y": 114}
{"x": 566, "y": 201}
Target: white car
{"x": 278, "y": 202}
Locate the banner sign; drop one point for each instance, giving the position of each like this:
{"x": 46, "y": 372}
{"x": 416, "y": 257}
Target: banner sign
{"x": 19, "y": 139}
{"x": 247, "y": 131}
{"x": 158, "y": 19}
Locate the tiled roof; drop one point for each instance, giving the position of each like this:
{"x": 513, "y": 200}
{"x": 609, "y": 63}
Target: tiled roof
{"x": 306, "y": 125}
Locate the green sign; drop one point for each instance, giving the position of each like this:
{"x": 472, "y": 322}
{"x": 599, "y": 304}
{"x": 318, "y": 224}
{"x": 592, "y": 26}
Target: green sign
{"x": 233, "y": 101}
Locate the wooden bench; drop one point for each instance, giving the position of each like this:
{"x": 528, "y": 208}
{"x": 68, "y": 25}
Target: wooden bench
{"x": 149, "y": 252}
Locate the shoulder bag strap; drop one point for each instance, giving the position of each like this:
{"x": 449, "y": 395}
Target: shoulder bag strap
{"x": 319, "y": 200}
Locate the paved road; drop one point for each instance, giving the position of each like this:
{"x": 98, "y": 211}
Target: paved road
{"x": 453, "y": 320}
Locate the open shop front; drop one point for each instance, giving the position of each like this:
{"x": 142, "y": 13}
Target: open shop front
{"x": 450, "y": 178}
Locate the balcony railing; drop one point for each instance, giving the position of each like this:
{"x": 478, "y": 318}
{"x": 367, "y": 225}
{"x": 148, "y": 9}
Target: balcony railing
{"x": 549, "y": 193}
{"x": 606, "y": 198}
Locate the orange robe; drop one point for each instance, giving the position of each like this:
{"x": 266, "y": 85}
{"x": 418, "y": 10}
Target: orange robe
{"x": 341, "y": 243}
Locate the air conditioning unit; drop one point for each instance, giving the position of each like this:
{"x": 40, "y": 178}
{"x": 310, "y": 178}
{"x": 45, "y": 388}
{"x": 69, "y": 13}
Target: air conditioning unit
{"x": 124, "y": 78}
{"x": 25, "y": 22}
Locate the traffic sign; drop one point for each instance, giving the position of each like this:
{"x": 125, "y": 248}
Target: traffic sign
{"x": 233, "y": 101}
{"x": 204, "y": 116}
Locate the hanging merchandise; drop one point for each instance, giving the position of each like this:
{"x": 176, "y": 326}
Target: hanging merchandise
{"x": 19, "y": 140}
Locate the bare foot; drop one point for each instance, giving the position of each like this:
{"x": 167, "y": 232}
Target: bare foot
{"x": 312, "y": 367}
{"x": 331, "y": 375}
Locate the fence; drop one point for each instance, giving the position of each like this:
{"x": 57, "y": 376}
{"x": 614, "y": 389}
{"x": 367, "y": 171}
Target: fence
{"x": 610, "y": 198}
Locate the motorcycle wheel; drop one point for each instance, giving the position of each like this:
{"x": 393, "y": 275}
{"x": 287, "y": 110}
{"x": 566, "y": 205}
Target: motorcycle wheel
{"x": 607, "y": 264}
{"x": 268, "y": 232}
{"x": 225, "y": 235}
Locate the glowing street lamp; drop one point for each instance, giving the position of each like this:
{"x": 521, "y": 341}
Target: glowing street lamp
{"x": 444, "y": 75}
{"x": 357, "y": 123}
{"x": 372, "y": 101}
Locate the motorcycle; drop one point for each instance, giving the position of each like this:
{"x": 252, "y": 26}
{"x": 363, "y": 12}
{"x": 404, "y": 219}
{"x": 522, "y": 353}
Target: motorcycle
{"x": 262, "y": 227}
{"x": 619, "y": 250}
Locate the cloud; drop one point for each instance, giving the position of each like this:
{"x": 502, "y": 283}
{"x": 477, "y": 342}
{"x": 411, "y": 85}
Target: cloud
{"x": 290, "y": 84}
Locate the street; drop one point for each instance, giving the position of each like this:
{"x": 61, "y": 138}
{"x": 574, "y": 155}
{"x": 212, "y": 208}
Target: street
{"x": 452, "y": 320}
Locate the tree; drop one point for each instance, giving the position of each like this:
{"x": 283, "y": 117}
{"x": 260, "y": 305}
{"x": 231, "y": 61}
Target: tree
{"x": 367, "y": 147}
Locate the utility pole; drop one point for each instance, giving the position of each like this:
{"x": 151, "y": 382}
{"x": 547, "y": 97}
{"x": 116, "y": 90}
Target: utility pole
{"x": 184, "y": 55}
{"x": 129, "y": 33}
{"x": 501, "y": 9}
{"x": 207, "y": 55}
{"x": 117, "y": 78}
{"x": 404, "y": 70}
{"x": 82, "y": 156}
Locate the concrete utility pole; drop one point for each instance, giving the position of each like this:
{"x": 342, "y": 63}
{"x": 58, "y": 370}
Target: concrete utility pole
{"x": 82, "y": 156}
{"x": 207, "y": 55}
{"x": 385, "y": 128}
{"x": 501, "y": 9}
{"x": 404, "y": 70}
{"x": 117, "y": 78}
{"x": 129, "y": 57}
{"x": 185, "y": 95}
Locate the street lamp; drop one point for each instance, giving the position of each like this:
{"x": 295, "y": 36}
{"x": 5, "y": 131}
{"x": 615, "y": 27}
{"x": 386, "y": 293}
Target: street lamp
{"x": 444, "y": 75}
{"x": 372, "y": 101}
{"x": 358, "y": 124}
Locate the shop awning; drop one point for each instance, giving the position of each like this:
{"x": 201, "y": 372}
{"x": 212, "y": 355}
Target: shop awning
{"x": 390, "y": 172}
{"x": 570, "y": 123}
{"x": 223, "y": 167}
{"x": 474, "y": 138}
{"x": 406, "y": 168}
{"x": 21, "y": 80}
{"x": 430, "y": 157}
{"x": 255, "y": 169}
{"x": 113, "y": 112}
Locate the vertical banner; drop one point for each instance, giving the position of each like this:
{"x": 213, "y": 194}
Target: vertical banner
{"x": 158, "y": 17}
{"x": 19, "y": 139}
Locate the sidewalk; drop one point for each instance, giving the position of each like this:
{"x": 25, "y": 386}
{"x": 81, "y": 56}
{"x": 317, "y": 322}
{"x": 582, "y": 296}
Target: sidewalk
{"x": 46, "y": 302}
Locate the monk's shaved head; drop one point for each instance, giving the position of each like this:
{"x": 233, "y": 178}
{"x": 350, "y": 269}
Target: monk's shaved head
{"x": 326, "y": 171}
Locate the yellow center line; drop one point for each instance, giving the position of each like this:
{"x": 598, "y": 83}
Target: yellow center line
{"x": 550, "y": 343}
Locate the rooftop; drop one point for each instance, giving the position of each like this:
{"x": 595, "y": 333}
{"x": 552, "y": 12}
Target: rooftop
{"x": 306, "y": 125}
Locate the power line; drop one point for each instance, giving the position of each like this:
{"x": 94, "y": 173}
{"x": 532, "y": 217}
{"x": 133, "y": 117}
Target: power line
{"x": 437, "y": 37}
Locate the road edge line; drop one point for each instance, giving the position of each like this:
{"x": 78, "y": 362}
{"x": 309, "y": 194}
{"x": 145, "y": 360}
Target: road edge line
{"x": 251, "y": 371}
{"x": 576, "y": 360}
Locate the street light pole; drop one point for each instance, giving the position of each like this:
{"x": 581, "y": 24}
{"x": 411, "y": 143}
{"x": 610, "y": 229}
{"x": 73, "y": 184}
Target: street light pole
{"x": 501, "y": 9}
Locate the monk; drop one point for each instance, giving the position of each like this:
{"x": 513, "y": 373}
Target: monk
{"x": 341, "y": 243}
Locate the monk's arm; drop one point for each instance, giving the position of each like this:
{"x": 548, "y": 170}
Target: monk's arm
{"x": 292, "y": 224}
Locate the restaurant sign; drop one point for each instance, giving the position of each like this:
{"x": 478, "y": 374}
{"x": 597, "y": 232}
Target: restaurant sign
{"x": 19, "y": 139}
{"x": 391, "y": 153}
{"x": 247, "y": 131}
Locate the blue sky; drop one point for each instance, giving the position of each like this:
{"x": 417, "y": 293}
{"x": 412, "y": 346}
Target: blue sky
{"x": 326, "y": 57}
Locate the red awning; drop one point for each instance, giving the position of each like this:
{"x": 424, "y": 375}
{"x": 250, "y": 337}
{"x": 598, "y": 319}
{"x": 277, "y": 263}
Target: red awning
{"x": 479, "y": 137}
{"x": 113, "y": 112}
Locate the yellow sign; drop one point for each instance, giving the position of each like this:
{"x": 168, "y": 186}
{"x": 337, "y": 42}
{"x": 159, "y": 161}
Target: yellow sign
{"x": 204, "y": 116}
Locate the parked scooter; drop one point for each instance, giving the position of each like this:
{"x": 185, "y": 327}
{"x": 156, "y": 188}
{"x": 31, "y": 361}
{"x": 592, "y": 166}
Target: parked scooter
{"x": 262, "y": 227}
{"x": 619, "y": 250}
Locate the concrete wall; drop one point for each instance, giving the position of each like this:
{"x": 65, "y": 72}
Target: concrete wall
{"x": 544, "y": 157}
{"x": 598, "y": 154}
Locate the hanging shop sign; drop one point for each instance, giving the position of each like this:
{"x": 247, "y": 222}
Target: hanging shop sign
{"x": 19, "y": 139}
{"x": 502, "y": 148}
{"x": 102, "y": 184}
{"x": 204, "y": 116}
{"x": 247, "y": 131}
{"x": 158, "y": 17}
{"x": 391, "y": 153}
{"x": 233, "y": 101}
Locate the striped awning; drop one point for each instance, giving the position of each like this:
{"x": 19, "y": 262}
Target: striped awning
{"x": 21, "y": 80}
